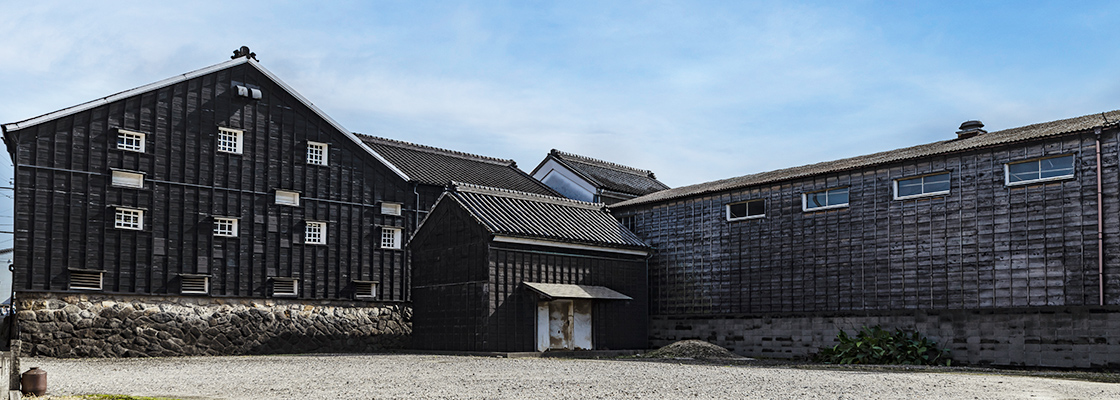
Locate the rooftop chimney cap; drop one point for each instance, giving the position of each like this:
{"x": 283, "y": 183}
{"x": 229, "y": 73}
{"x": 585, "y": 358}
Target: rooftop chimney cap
{"x": 970, "y": 129}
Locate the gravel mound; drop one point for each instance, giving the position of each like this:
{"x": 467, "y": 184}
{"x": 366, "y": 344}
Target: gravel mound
{"x": 694, "y": 349}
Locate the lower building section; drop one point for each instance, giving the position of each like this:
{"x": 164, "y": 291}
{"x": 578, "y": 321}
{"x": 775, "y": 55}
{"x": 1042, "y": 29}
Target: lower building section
{"x": 55, "y": 325}
{"x": 1070, "y": 337}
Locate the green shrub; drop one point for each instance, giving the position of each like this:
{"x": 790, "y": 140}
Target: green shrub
{"x": 876, "y": 345}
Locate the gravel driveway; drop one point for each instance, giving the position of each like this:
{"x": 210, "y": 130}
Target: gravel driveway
{"x": 397, "y": 376}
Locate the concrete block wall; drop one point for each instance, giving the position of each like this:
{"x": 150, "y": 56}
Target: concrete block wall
{"x": 148, "y": 326}
{"x": 1068, "y": 337}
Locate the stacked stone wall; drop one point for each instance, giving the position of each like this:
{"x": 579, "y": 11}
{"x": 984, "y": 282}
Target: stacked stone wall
{"x": 1068, "y": 337}
{"x": 152, "y": 326}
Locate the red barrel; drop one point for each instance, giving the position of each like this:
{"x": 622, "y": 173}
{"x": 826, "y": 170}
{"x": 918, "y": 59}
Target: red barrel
{"x": 34, "y": 382}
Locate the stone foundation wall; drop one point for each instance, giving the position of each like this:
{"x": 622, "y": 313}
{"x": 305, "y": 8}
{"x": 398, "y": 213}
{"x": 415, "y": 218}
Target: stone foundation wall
{"x": 148, "y": 326}
{"x": 1072, "y": 337}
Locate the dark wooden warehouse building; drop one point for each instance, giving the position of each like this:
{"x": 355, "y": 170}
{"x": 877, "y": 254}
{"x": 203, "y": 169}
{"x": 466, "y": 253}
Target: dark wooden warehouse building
{"x": 502, "y": 270}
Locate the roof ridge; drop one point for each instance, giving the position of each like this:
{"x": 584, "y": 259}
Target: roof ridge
{"x": 517, "y": 194}
{"x": 438, "y": 150}
{"x": 603, "y": 163}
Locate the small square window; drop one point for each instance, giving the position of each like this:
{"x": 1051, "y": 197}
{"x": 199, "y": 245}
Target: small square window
{"x": 128, "y": 179}
{"x": 229, "y": 140}
{"x": 825, "y": 199}
{"x": 130, "y": 140}
{"x": 365, "y": 289}
{"x": 316, "y": 233}
{"x": 391, "y": 238}
{"x": 285, "y": 287}
{"x": 287, "y": 197}
{"x": 85, "y": 279}
{"x": 1039, "y": 170}
{"x": 391, "y": 208}
{"x": 225, "y": 227}
{"x": 129, "y": 218}
{"x": 746, "y": 210}
{"x": 316, "y": 153}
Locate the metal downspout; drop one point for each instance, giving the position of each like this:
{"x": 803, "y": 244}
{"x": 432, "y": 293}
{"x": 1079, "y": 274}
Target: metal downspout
{"x": 1100, "y": 223}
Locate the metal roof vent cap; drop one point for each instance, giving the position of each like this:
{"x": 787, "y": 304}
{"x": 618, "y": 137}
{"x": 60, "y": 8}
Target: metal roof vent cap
{"x": 970, "y": 129}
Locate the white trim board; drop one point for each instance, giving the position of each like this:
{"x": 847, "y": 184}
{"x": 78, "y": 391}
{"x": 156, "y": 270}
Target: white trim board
{"x": 549, "y": 243}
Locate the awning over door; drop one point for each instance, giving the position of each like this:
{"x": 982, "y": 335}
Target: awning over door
{"x": 562, "y": 291}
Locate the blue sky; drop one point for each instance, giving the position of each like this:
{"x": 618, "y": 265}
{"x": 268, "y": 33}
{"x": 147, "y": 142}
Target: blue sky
{"x": 695, "y": 91}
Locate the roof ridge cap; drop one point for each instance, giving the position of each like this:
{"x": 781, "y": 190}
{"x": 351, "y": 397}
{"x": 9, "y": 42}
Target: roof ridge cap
{"x": 439, "y": 150}
{"x": 510, "y": 193}
{"x": 603, "y": 163}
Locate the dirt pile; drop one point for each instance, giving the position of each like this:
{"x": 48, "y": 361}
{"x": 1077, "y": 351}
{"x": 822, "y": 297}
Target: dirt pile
{"x": 694, "y": 349}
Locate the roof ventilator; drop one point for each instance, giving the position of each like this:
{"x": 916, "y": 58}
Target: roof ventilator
{"x": 970, "y": 129}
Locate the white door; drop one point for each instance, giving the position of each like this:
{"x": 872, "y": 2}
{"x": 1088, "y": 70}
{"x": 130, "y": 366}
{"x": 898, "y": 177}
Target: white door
{"x": 564, "y": 325}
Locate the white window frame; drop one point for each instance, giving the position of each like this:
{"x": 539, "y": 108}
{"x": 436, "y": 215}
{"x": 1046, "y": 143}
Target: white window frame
{"x": 727, "y": 210}
{"x": 924, "y": 193}
{"x": 1007, "y": 171}
{"x": 392, "y": 236}
{"x": 123, "y": 136}
{"x": 286, "y": 194}
{"x": 285, "y": 283}
{"x": 127, "y": 179}
{"x": 315, "y": 232}
{"x": 129, "y": 218}
{"x": 225, "y": 227}
{"x": 317, "y": 153}
{"x": 391, "y": 208}
{"x": 223, "y": 144}
{"x": 805, "y": 200}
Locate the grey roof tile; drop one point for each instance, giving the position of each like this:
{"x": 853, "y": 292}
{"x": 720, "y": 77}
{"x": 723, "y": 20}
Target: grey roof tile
{"x": 611, "y": 176}
{"x": 436, "y": 166}
{"x": 534, "y": 216}
{"x": 1024, "y": 133}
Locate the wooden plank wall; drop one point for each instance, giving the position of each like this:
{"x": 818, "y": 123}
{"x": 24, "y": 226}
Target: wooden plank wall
{"x": 985, "y": 245}
{"x": 65, "y": 212}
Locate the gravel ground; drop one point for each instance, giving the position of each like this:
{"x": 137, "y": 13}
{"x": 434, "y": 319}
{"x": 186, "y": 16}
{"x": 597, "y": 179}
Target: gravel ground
{"x": 399, "y": 376}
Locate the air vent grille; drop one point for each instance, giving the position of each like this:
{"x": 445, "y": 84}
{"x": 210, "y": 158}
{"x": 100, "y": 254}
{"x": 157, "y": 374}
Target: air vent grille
{"x": 365, "y": 289}
{"x": 194, "y": 285}
{"x": 85, "y": 280}
{"x": 285, "y": 287}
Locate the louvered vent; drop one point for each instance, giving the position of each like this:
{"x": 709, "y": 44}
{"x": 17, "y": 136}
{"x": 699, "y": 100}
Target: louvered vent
{"x": 365, "y": 289}
{"x": 85, "y": 280}
{"x": 194, "y": 284}
{"x": 285, "y": 287}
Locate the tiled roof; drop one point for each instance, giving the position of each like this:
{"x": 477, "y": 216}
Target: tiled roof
{"x": 1029, "y": 132}
{"x": 435, "y": 166}
{"x": 610, "y": 176}
{"x": 533, "y": 216}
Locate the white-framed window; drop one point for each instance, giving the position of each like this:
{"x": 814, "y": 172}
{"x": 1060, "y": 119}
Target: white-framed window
{"x": 1038, "y": 170}
{"x": 129, "y": 218}
{"x": 194, "y": 284}
{"x": 391, "y": 208}
{"x": 128, "y": 179}
{"x": 130, "y": 140}
{"x": 825, "y": 199}
{"x": 928, "y": 185}
{"x": 316, "y": 233}
{"x": 365, "y": 289}
{"x": 85, "y": 279}
{"x": 746, "y": 210}
{"x": 316, "y": 153}
{"x": 225, "y": 227}
{"x": 285, "y": 287}
{"x": 390, "y": 238}
{"x": 287, "y": 197}
{"x": 229, "y": 140}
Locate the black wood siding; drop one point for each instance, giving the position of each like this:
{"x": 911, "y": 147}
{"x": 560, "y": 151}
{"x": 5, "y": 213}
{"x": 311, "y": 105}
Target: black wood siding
{"x": 64, "y": 200}
{"x": 984, "y": 245}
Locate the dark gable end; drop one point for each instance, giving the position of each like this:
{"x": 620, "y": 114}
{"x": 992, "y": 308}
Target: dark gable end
{"x": 1007, "y": 136}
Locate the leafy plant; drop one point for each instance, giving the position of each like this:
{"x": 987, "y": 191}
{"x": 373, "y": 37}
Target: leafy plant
{"x": 876, "y": 345}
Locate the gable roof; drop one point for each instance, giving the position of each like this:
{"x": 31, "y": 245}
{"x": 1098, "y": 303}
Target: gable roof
{"x": 533, "y": 216}
{"x": 436, "y": 166}
{"x": 607, "y": 175}
{"x": 194, "y": 74}
{"x": 1024, "y": 133}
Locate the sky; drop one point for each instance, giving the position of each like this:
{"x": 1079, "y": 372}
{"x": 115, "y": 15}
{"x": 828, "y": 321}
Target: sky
{"x": 694, "y": 91}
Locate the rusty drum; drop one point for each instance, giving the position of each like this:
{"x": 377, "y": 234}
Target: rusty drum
{"x": 34, "y": 382}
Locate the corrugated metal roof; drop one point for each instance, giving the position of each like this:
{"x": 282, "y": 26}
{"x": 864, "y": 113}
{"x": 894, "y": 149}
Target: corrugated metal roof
{"x": 436, "y": 166}
{"x": 610, "y": 176}
{"x": 1029, "y": 132}
{"x": 562, "y": 291}
{"x": 529, "y": 215}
